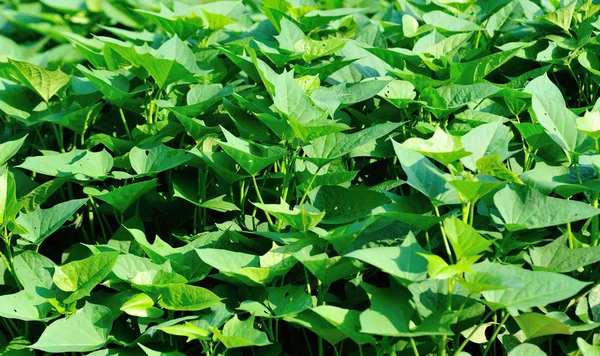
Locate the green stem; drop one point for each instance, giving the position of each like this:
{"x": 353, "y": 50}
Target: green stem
{"x": 595, "y": 224}
{"x": 309, "y": 186}
{"x": 495, "y": 334}
{"x": 472, "y": 213}
{"x": 444, "y": 237}
{"x": 321, "y": 353}
{"x": 465, "y": 212}
{"x": 8, "y": 266}
{"x": 570, "y": 235}
{"x": 261, "y": 199}
{"x": 59, "y": 141}
{"x": 8, "y": 327}
{"x": 466, "y": 341}
{"x": 97, "y": 213}
{"x": 414, "y": 346}
{"x": 125, "y": 124}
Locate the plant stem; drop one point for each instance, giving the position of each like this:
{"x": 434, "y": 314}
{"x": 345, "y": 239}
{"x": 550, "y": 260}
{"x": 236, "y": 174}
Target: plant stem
{"x": 261, "y": 199}
{"x": 444, "y": 237}
{"x": 125, "y": 124}
{"x": 495, "y": 334}
{"x": 414, "y": 346}
{"x": 570, "y": 235}
{"x": 309, "y": 186}
{"x": 595, "y": 224}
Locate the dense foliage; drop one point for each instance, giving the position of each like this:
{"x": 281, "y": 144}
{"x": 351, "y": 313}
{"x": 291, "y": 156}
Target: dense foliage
{"x": 296, "y": 177}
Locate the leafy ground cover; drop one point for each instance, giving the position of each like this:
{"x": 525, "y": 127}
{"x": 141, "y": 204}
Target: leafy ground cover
{"x": 299, "y": 177}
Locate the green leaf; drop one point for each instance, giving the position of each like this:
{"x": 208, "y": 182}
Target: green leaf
{"x": 492, "y": 165}
{"x": 44, "y": 82}
{"x": 558, "y": 179}
{"x": 589, "y": 61}
{"x": 9, "y": 205}
{"x": 313, "y": 49}
{"x": 346, "y": 320}
{"x": 450, "y": 23}
{"x": 251, "y": 156}
{"x": 302, "y": 218}
{"x": 10, "y": 148}
{"x": 41, "y": 193}
{"x": 590, "y": 124}
{"x": 81, "y": 164}
{"x": 343, "y": 205}
{"x": 552, "y": 113}
{"x": 457, "y": 96}
{"x": 115, "y": 85}
{"x": 535, "y": 325}
{"x": 472, "y": 71}
{"x": 379, "y": 319}
{"x": 84, "y": 331}
{"x": 317, "y": 324}
{"x": 186, "y": 298}
{"x": 441, "y": 147}
{"x": 561, "y": 17}
{"x": 141, "y": 305}
{"x": 507, "y": 286}
{"x": 326, "y": 269}
{"x": 121, "y": 198}
{"x": 472, "y": 191}
{"x": 41, "y": 223}
{"x": 425, "y": 177}
{"x": 174, "y": 61}
{"x": 289, "y": 34}
{"x": 280, "y": 302}
{"x": 527, "y": 350}
{"x": 238, "y": 333}
{"x": 34, "y": 270}
{"x": 485, "y": 140}
{"x": 524, "y": 208}
{"x": 556, "y": 256}
{"x": 405, "y": 262}
{"x": 24, "y": 305}
{"x": 465, "y": 240}
{"x": 199, "y": 99}
{"x": 189, "y": 330}
{"x": 587, "y": 349}
{"x": 156, "y": 158}
{"x": 438, "y": 268}
{"x": 80, "y": 277}
{"x": 180, "y": 23}
{"x": 307, "y": 121}
{"x": 325, "y": 149}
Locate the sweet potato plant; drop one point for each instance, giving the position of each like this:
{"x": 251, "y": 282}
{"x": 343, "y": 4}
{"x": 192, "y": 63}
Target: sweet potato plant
{"x": 299, "y": 177}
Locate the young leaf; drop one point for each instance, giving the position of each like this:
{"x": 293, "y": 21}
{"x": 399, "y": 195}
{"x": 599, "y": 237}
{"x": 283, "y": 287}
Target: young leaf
{"x": 44, "y": 82}
{"x": 80, "y": 277}
{"x": 441, "y": 147}
{"x": 465, "y": 240}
